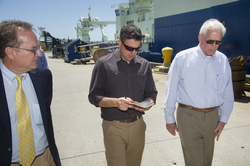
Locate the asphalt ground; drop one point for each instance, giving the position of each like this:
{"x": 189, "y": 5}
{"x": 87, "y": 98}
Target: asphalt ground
{"x": 78, "y": 131}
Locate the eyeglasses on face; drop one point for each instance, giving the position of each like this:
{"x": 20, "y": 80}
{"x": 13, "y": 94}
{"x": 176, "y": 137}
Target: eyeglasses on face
{"x": 131, "y": 48}
{"x": 34, "y": 51}
{"x": 218, "y": 42}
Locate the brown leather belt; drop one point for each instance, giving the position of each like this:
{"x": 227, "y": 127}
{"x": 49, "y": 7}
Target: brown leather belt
{"x": 130, "y": 120}
{"x": 205, "y": 110}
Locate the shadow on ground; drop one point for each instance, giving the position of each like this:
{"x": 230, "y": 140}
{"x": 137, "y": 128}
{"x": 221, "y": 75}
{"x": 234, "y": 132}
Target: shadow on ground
{"x": 244, "y": 99}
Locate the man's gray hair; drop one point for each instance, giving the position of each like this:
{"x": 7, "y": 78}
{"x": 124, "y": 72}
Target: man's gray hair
{"x": 212, "y": 24}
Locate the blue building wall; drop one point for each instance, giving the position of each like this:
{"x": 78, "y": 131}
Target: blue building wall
{"x": 181, "y": 31}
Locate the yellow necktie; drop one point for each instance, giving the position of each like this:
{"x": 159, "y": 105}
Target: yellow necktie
{"x": 24, "y": 127}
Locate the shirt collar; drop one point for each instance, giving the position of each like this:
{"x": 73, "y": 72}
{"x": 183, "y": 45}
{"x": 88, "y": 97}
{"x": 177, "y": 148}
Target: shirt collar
{"x": 118, "y": 57}
{"x": 9, "y": 75}
{"x": 202, "y": 55}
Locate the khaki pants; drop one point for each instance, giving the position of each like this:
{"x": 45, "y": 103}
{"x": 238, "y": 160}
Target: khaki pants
{"x": 124, "y": 142}
{"x": 196, "y": 130}
{"x": 45, "y": 159}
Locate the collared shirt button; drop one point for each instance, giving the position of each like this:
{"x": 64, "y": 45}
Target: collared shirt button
{"x": 9, "y": 149}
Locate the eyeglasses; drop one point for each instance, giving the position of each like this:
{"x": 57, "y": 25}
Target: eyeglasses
{"x": 34, "y": 51}
{"x": 131, "y": 48}
{"x": 218, "y": 42}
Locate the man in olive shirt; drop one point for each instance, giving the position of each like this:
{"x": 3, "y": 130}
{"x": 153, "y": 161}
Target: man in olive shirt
{"x": 117, "y": 79}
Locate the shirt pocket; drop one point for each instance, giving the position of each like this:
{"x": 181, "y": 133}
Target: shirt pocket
{"x": 219, "y": 81}
{"x": 139, "y": 82}
{"x": 113, "y": 84}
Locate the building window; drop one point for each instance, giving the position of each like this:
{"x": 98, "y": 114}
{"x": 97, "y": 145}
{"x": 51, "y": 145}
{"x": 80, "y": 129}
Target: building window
{"x": 117, "y": 13}
{"x": 130, "y": 22}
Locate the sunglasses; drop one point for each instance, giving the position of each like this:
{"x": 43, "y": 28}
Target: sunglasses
{"x": 131, "y": 48}
{"x": 34, "y": 51}
{"x": 218, "y": 42}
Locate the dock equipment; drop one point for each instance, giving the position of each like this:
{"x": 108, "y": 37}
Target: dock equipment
{"x": 89, "y": 23}
{"x": 70, "y": 52}
{"x": 238, "y": 75}
{"x": 96, "y": 50}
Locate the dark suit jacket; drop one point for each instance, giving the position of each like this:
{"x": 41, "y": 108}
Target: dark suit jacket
{"x": 42, "y": 82}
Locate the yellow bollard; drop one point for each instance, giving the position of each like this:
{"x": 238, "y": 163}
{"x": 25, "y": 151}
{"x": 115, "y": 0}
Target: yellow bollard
{"x": 96, "y": 48}
{"x": 167, "y": 53}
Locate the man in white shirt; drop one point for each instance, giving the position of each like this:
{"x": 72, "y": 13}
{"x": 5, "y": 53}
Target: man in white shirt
{"x": 199, "y": 80}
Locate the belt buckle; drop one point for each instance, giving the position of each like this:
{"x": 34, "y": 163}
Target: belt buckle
{"x": 131, "y": 120}
{"x": 209, "y": 109}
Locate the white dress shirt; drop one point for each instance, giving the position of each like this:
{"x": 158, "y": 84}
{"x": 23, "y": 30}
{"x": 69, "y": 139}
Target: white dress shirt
{"x": 200, "y": 81}
{"x": 10, "y": 85}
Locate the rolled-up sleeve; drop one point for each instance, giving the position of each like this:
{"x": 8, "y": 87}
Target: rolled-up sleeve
{"x": 96, "y": 89}
{"x": 150, "y": 89}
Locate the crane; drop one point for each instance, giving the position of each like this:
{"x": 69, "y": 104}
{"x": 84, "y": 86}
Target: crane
{"x": 87, "y": 24}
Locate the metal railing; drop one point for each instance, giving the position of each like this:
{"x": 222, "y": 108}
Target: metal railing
{"x": 88, "y": 50}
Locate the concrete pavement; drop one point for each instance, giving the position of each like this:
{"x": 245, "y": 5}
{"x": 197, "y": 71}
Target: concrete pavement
{"x": 78, "y": 131}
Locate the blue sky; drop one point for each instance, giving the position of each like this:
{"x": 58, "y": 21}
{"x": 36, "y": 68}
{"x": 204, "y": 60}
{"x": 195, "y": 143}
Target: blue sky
{"x": 60, "y": 17}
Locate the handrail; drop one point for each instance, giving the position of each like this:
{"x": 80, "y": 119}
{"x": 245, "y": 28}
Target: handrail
{"x": 88, "y": 49}
{"x": 113, "y": 41}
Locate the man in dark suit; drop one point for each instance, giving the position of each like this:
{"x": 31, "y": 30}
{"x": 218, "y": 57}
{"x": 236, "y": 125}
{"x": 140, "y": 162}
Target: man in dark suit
{"x": 19, "y": 53}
